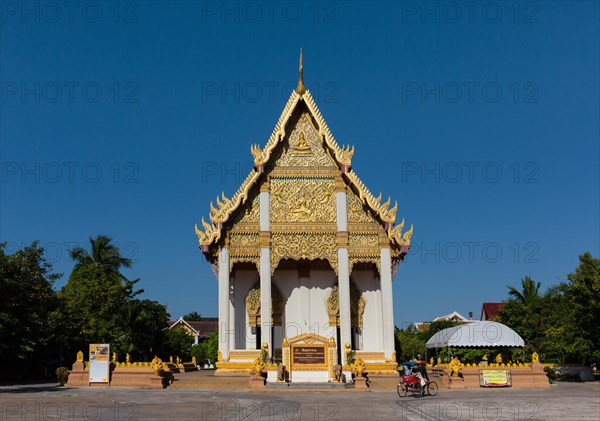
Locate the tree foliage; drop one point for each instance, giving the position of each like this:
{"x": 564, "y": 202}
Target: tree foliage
{"x": 178, "y": 343}
{"x": 208, "y": 349}
{"x": 410, "y": 343}
{"x": 193, "y": 317}
{"x": 563, "y": 324}
{"x": 26, "y": 281}
{"x": 41, "y": 328}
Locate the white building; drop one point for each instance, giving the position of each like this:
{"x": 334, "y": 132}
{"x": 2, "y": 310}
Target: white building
{"x": 303, "y": 247}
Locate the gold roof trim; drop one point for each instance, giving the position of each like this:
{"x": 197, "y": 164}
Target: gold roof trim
{"x": 343, "y": 156}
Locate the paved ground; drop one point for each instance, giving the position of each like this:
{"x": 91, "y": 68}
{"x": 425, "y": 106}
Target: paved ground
{"x": 565, "y": 401}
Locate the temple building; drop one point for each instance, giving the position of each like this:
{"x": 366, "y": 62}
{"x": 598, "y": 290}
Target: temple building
{"x": 304, "y": 253}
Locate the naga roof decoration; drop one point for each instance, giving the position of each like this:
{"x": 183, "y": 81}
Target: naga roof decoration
{"x": 225, "y": 208}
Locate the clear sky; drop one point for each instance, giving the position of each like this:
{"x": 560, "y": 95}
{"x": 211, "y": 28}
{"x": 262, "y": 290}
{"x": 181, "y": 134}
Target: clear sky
{"x": 480, "y": 118}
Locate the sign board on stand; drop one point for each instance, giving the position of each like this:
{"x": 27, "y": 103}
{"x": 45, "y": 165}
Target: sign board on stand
{"x": 99, "y": 363}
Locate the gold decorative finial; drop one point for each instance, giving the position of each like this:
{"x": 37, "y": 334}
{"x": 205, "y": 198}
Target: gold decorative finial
{"x": 301, "y": 88}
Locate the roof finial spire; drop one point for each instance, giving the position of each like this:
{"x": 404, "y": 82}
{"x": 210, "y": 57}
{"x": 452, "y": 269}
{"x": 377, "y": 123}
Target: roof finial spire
{"x": 301, "y": 88}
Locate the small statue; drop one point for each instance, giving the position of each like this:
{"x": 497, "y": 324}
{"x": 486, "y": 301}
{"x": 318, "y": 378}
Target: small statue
{"x": 337, "y": 373}
{"x": 194, "y": 360}
{"x": 264, "y": 352}
{"x": 178, "y": 360}
{"x": 170, "y": 359}
{"x": 127, "y": 358}
{"x": 535, "y": 358}
{"x": 348, "y": 353}
{"x": 258, "y": 366}
{"x": 498, "y": 358}
{"x": 80, "y": 356}
{"x": 280, "y": 372}
{"x": 157, "y": 365}
{"x": 360, "y": 367}
{"x": 302, "y": 147}
{"x": 115, "y": 358}
{"x": 439, "y": 360}
{"x": 455, "y": 366}
{"x": 431, "y": 361}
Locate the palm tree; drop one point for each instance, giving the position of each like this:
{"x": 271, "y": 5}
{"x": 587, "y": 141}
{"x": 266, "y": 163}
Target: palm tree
{"x": 104, "y": 256}
{"x": 529, "y": 301}
{"x": 530, "y": 293}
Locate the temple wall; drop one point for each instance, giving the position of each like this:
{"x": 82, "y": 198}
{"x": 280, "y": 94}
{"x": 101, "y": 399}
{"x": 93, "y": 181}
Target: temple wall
{"x": 306, "y": 307}
{"x": 243, "y": 281}
{"x": 372, "y": 333}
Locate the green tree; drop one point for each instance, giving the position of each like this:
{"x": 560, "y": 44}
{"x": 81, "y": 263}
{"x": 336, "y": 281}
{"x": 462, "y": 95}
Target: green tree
{"x": 91, "y": 308}
{"x": 142, "y": 329}
{"x": 193, "y": 317}
{"x": 26, "y": 281}
{"x": 410, "y": 345}
{"x": 523, "y": 313}
{"x": 207, "y": 349}
{"x": 583, "y": 293}
{"x": 104, "y": 255}
{"x": 177, "y": 343}
{"x": 529, "y": 295}
{"x": 95, "y": 300}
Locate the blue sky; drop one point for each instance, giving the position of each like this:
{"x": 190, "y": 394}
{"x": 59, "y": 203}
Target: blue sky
{"x": 482, "y": 120}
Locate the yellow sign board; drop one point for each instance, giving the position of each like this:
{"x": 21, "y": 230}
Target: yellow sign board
{"x": 495, "y": 378}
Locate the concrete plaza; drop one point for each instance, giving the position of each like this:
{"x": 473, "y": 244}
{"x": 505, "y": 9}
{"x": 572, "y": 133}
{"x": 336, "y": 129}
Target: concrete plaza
{"x": 564, "y": 401}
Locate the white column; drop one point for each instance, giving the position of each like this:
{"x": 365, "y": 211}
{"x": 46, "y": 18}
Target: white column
{"x": 232, "y": 323}
{"x": 265, "y": 297}
{"x": 387, "y": 301}
{"x": 264, "y": 209}
{"x": 344, "y": 291}
{"x": 343, "y": 274}
{"x": 342, "y": 211}
{"x": 265, "y": 270}
{"x": 224, "y": 302}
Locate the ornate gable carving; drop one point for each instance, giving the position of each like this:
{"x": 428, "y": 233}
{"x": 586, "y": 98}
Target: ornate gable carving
{"x": 302, "y": 148}
{"x": 248, "y": 215}
{"x": 302, "y": 200}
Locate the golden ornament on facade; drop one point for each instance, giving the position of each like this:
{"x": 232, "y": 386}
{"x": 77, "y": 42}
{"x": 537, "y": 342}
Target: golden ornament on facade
{"x": 395, "y": 234}
{"x": 303, "y": 246}
{"x": 333, "y": 307}
{"x": 357, "y": 213}
{"x": 310, "y": 131}
{"x": 253, "y": 307}
{"x": 301, "y": 147}
{"x": 305, "y": 148}
{"x": 303, "y": 200}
